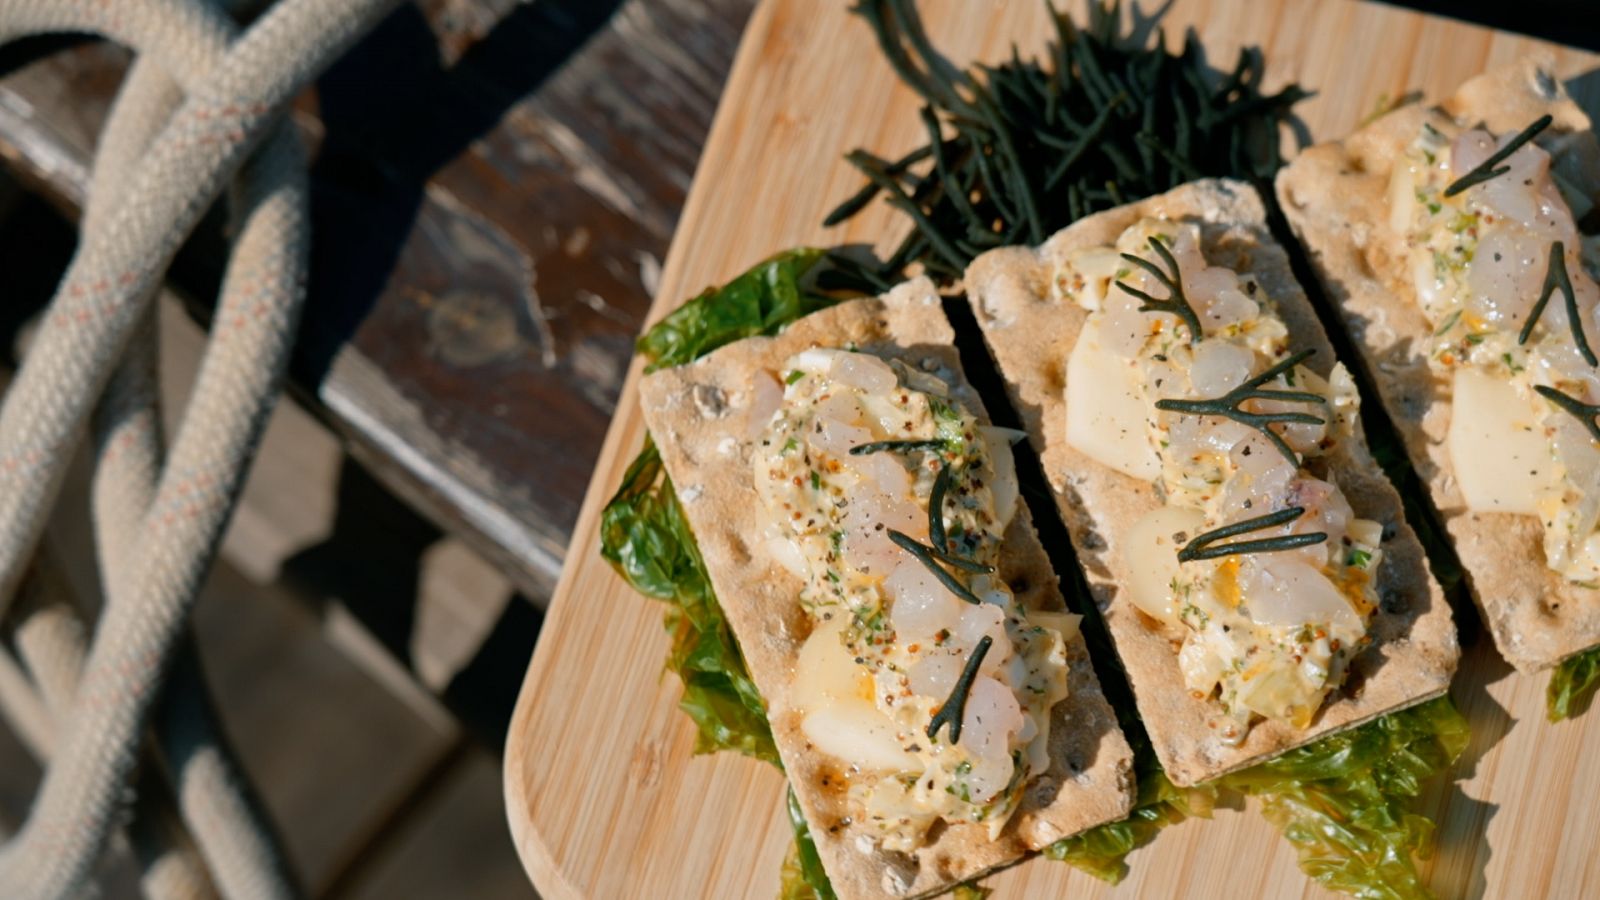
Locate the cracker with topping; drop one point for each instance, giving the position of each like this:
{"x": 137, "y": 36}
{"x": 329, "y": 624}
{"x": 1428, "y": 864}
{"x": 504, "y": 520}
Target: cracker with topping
{"x": 1337, "y": 198}
{"x": 1031, "y": 330}
{"x": 701, "y": 417}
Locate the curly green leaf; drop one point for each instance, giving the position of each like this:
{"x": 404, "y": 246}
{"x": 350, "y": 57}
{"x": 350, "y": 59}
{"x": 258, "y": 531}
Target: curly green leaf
{"x": 760, "y": 301}
{"x": 1572, "y": 684}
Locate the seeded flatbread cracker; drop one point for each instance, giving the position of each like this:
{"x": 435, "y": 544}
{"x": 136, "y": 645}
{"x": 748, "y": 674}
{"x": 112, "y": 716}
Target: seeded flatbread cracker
{"x": 1030, "y": 336}
{"x": 1335, "y": 197}
{"x": 699, "y": 417}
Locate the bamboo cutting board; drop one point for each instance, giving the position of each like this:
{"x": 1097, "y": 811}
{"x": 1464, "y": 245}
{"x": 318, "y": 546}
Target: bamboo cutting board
{"x": 604, "y": 796}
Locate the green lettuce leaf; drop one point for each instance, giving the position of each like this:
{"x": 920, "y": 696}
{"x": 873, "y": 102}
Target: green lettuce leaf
{"x": 760, "y": 301}
{"x": 1344, "y": 801}
{"x": 802, "y": 877}
{"x": 1572, "y": 684}
{"x": 1103, "y": 851}
{"x": 645, "y": 537}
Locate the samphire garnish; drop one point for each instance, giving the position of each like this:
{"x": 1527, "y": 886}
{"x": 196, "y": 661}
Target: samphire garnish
{"x": 941, "y": 486}
{"x": 1176, "y": 303}
{"x": 905, "y": 541}
{"x": 954, "y": 709}
{"x": 1204, "y": 545}
{"x": 925, "y": 555}
{"x": 1486, "y": 169}
{"x": 896, "y": 446}
{"x": 1555, "y": 276}
{"x": 931, "y": 556}
{"x": 1229, "y": 404}
{"x": 1019, "y": 150}
{"x": 1583, "y": 412}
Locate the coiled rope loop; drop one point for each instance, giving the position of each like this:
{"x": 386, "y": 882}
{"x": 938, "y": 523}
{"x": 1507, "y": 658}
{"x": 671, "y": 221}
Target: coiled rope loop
{"x": 202, "y": 108}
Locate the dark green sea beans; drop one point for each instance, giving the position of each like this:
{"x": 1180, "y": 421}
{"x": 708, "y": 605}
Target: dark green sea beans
{"x": 1018, "y": 150}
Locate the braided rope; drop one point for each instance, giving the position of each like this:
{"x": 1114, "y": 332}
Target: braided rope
{"x": 158, "y": 560}
{"x": 216, "y": 803}
{"x": 50, "y": 645}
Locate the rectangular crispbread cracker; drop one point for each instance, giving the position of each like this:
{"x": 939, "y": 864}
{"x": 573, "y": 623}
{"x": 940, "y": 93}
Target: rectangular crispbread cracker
{"x": 1030, "y": 335}
{"x": 699, "y": 416}
{"x": 1335, "y": 197}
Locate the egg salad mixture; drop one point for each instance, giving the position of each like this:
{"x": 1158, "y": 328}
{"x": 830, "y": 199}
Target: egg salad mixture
{"x": 848, "y": 465}
{"x": 1268, "y": 632}
{"x": 1480, "y": 259}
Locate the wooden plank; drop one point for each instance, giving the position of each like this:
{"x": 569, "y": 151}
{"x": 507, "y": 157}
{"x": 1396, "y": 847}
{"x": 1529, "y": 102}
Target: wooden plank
{"x": 603, "y": 793}
{"x": 488, "y": 232}
{"x": 355, "y": 751}
{"x": 453, "y": 845}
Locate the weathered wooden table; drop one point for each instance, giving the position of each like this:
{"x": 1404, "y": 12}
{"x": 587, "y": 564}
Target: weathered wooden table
{"x": 495, "y": 184}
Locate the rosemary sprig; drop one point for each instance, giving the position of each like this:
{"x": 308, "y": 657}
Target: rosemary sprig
{"x": 941, "y": 485}
{"x": 1204, "y": 545}
{"x": 925, "y": 555}
{"x": 1583, "y": 412}
{"x": 1177, "y": 303}
{"x": 1019, "y": 150}
{"x": 1486, "y": 170}
{"x": 1228, "y": 405}
{"x": 896, "y": 446}
{"x": 953, "y": 710}
{"x": 1555, "y": 276}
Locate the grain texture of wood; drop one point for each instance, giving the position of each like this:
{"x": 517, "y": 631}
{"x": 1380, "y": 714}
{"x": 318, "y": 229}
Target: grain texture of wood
{"x": 604, "y": 796}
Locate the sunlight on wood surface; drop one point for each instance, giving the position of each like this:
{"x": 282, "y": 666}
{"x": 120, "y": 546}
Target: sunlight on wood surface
{"x": 603, "y": 794}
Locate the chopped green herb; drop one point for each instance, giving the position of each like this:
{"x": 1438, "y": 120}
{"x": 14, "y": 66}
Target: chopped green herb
{"x": 1448, "y": 323}
{"x": 794, "y": 376}
{"x": 1358, "y": 558}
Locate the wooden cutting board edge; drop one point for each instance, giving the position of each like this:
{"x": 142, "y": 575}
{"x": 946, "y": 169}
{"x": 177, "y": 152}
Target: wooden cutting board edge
{"x": 543, "y": 681}
{"x": 626, "y": 431}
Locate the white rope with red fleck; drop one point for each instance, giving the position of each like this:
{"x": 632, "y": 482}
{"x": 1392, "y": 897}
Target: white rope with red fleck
{"x": 104, "y": 297}
{"x": 215, "y": 801}
{"x": 50, "y": 643}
